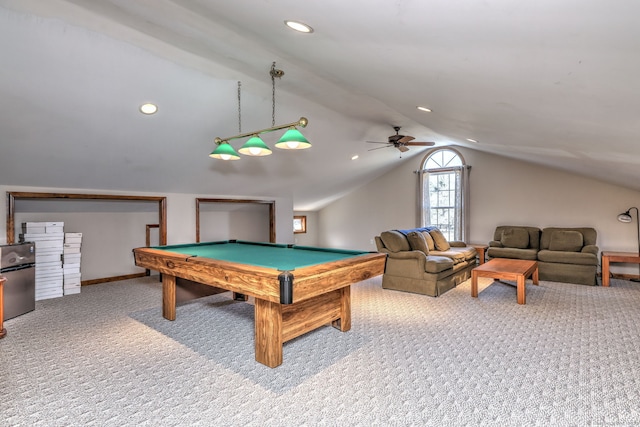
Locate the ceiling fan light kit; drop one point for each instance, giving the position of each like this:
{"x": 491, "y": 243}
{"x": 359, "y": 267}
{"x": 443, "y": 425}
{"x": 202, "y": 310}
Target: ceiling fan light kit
{"x": 292, "y": 139}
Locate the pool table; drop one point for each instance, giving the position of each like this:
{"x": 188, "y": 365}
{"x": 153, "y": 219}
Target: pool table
{"x": 296, "y": 288}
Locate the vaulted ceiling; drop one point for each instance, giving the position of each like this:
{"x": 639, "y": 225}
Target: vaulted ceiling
{"x": 550, "y": 82}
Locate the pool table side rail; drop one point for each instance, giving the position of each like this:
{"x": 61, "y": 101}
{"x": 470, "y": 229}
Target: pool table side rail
{"x": 317, "y": 279}
{"x": 262, "y": 282}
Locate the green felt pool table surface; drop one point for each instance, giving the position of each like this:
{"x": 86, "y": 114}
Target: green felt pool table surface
{"x": 269, "y": 255}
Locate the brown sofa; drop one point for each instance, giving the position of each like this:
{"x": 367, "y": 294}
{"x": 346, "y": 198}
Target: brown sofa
{"x": 430, "y": 270}
{"x": 564, "y": 254}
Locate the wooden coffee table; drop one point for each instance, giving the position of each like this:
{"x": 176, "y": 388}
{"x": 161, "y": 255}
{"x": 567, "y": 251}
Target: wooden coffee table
{"x": 506, "y": 269}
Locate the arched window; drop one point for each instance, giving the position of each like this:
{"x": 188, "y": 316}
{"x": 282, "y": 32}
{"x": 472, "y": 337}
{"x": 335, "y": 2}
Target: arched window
{"x": 444, "y": 192}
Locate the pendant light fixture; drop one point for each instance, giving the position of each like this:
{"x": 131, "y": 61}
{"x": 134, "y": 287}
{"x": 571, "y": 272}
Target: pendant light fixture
{"x": 292, "y": 139}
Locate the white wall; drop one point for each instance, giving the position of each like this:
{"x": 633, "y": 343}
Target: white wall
{"x": 388, "y": 202}
{"x": 237, "y": 224}
{"x": 503, "y": 191}
{"x": 109, "y": 237}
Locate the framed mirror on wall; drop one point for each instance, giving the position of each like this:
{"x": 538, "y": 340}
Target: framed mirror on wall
{"x": 299, "y": 224}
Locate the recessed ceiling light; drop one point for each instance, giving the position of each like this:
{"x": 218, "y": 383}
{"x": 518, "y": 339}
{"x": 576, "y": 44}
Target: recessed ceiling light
{"x": 355, "y": 157}
{"x": 472, "y": 140}
{"x": 148, "y": 108}
{"x": 425, "y": 109}
{"x": 299, "y": 26}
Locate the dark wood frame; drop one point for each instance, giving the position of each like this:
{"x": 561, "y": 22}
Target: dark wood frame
{"x": 3, "y": 331}
{"x": 303, "y": 221}
{"x": 272, "y": 213}
{"x": 162, "y": 217}
{"x": 148, "y": 233}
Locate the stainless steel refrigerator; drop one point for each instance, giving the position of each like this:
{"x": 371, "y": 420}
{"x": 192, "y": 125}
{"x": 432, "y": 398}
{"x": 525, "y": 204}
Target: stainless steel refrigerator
{"x": 17, "y": 264}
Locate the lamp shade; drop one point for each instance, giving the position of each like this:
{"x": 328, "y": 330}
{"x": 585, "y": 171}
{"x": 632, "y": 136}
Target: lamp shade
{"x": 255, "y": 146}
{"x": 293, "y": 140}
{"x": 625, "y": 217}
{"x": 224, "y": 151}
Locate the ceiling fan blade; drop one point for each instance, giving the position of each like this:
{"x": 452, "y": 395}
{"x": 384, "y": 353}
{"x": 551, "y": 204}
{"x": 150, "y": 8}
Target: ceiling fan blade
{"x": 376, "y": 142}
{"x": 377, "y": 148}
{"x": 402, "y": 148}
{"x": 421, "y": 144}
{"x": 405, "y": 139}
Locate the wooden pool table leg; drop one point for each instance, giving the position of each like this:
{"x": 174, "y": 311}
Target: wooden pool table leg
{"x": 268, "y": 332}
{"x": 169, "y": 297}
{"x": 344, "y": 322}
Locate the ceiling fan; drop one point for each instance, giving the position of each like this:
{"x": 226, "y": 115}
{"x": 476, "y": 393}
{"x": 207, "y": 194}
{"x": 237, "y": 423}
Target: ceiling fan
{"x": 401, "y": 142}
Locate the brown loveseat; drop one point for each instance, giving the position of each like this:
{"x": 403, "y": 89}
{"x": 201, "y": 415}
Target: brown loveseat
{"x": 568, "y": 255}
{"x": 422, "y": 261}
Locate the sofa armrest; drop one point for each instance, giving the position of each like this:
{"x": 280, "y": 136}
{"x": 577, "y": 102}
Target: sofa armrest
{"x": 495, "y": 244}
{"x": 406, "y": 264}
{"x": 591, "y": 249}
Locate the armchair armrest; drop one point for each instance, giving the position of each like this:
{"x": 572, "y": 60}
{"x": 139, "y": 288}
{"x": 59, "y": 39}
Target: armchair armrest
{"x": 591, "y": 249}
{"x": 495, "y": 244}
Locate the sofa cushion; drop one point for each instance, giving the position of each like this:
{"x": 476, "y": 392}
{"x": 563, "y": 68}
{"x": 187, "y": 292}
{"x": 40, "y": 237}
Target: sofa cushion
{"x": 418, "y": 242}
{"x": 512, "y": 253}
{"x": 395, "y": 241}
{"x": 439, "y": 240}
{"x": 456, "y": 256}
{"x": 430, "y": 244}
{"x": 470, "y": 253}
{"x": 437, "y": 264}
{"x": 568, "y": 241}
{"x": 566, "y": 257}
{"x": 515, "y": 237}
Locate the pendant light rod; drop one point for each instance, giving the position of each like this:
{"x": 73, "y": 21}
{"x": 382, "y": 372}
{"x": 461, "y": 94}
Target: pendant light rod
{"x": 302, "y": 123}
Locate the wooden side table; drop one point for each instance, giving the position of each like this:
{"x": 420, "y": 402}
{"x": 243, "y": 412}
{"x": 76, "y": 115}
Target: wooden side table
{"x": 609, "y": 257}
{"x": 3, "y": 331}
{"x": 481, "y": 251}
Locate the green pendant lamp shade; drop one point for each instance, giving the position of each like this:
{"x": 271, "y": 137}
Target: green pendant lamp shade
{"x": 255, "y": 146}
{"x": 293, "y": 140}
{"x": 224, "y": 151}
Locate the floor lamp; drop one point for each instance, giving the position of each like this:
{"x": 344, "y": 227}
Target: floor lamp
{"x": 626, "y": 217}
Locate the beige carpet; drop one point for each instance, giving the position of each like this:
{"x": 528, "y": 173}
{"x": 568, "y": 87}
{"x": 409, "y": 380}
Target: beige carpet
{"x": 106, "y": 357}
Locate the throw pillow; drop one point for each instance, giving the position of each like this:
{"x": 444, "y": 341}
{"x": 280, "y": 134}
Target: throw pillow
{"x": 439, "y": 240}
{"x": 418, "y": 242}
{"x": 515, "y": 237}
{"x": 394, "y": 241}
{"x": 567, "y": 241}
{"x": 429, "y": 239}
